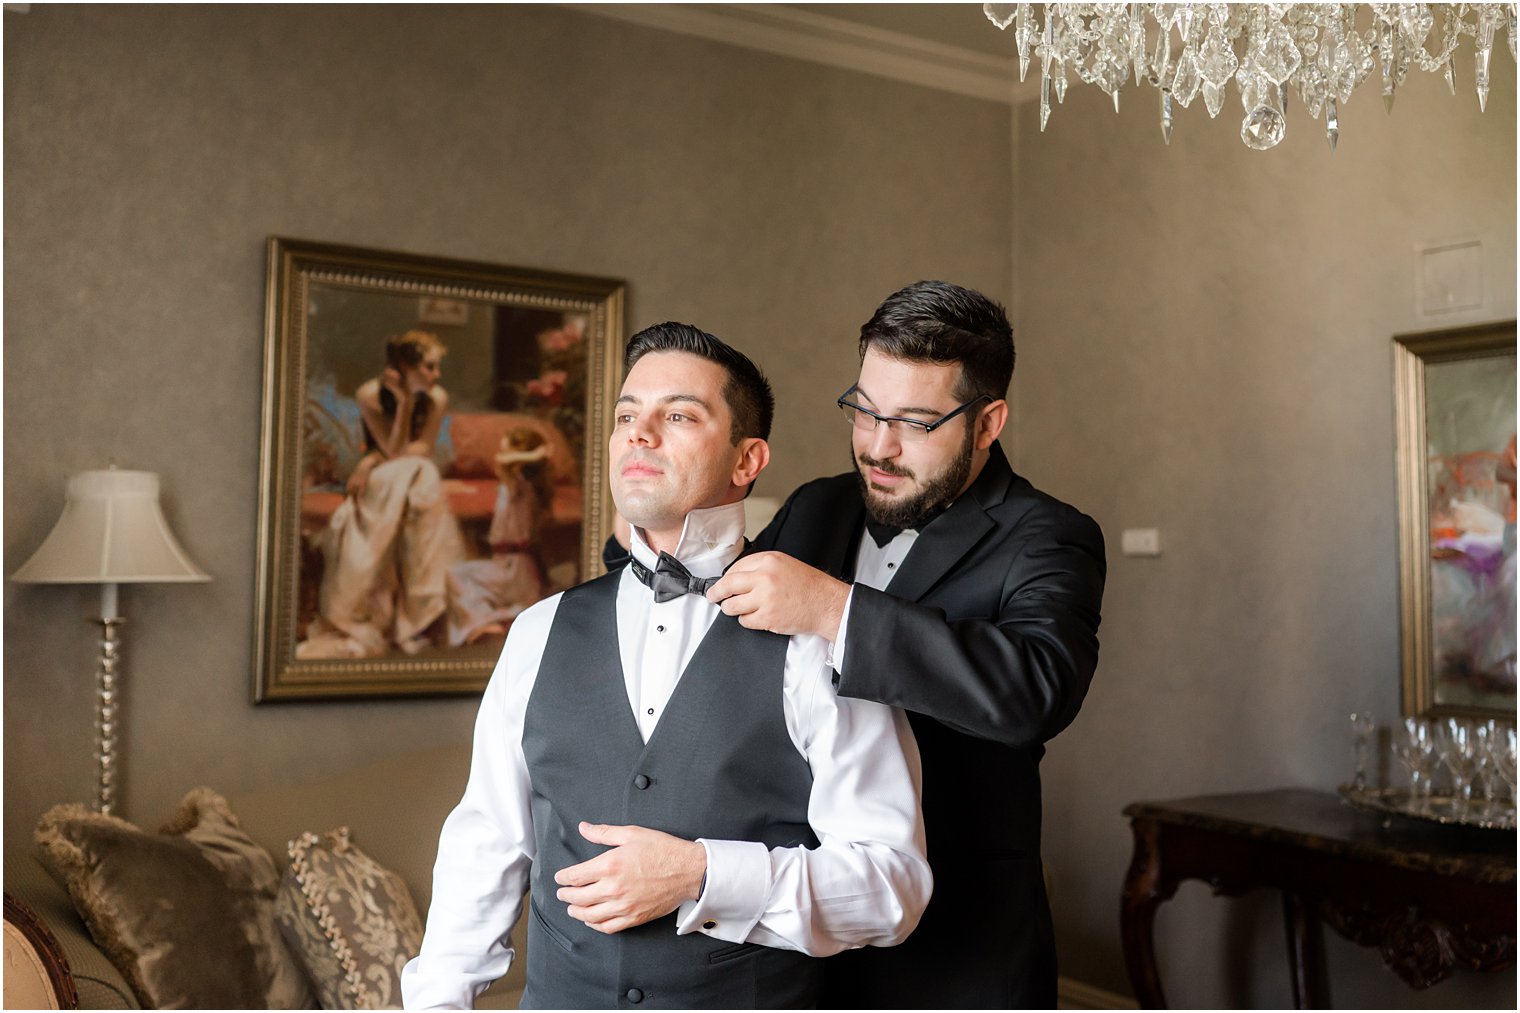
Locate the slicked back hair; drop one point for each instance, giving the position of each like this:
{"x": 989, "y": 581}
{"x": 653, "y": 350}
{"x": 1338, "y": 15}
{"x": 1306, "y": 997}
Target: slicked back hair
{"x": 751, "y": 404}
{"x": 935, "y": 321}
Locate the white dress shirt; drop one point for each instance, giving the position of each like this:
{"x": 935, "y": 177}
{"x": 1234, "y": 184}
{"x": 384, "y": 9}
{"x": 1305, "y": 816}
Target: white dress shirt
{"x": 875, "y": 566}
{"x": 866, "y": 883}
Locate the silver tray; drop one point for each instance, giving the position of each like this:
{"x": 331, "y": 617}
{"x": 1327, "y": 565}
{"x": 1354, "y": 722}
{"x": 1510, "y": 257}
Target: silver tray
{"x": 1437, "y": 809}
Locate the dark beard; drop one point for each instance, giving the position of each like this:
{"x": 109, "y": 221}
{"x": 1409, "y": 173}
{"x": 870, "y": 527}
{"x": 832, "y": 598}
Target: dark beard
{"x": 919, "y": 509}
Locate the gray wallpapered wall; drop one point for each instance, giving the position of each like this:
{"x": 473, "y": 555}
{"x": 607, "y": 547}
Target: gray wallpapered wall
{"x": 1211, "y": 328}
{"x": 150, "y": 151}
{"x": 1203, "y": 347}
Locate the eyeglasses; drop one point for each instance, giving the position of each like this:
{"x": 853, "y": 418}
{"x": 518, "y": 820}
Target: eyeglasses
{"x": 908, "y": 430}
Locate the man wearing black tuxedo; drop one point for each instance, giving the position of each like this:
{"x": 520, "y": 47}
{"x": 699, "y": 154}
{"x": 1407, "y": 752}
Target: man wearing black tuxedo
{"x": 954, "y": 589}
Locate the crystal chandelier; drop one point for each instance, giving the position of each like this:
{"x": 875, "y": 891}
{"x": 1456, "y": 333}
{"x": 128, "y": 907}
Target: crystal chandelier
{"x": 1321, "y": 51}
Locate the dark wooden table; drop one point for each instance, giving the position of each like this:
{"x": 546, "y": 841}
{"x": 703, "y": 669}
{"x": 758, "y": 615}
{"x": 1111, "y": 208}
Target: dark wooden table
{"x": 1431, "y": 898}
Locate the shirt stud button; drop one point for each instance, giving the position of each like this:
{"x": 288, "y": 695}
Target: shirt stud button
{"x": 709, "y": 925}
{"x": 635, "y": 995}
{"x": 650, "y": 711}
{"x": 891, "y": 566}
{"x": 641, "y": 781}
{"x": 659, "y": 629}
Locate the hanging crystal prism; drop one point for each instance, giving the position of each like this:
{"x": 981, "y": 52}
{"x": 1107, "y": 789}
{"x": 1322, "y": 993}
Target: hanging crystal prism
{"x": 1480, "y": 63}
{"x": 1415, "y": 22}
{"x": 1213, "y": 98}
{"x": 1264, "y": 122}
{"x": 1277, "y": 58}
{"x": 1111, "y": 77}
{"x": 1332, "y": 123}
{"x": 1340, "y": 70}
{"x": 1313, "y": 89}
{"x": 1044, "y": 95}
{"x": 1451, "y": 77}
{"x": 1216, "y": 60}
{"x": 1163, "y": 58}
{"x": 1385, "y": 57}
{"x": 1166, "y": 115}
{"x": 1185, "y": 85}
{"x": 1184, "y": 19}
{"x": 1022, "y": 36}
{"x": 1000, "y": 14}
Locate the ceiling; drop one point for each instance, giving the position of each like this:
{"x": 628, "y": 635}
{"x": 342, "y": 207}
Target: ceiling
{"x": 952, "y": 24}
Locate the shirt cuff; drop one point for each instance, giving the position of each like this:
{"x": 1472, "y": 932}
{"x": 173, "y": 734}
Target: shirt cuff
{"x": 738, "y": 883}
{"x": 834, "y": 657}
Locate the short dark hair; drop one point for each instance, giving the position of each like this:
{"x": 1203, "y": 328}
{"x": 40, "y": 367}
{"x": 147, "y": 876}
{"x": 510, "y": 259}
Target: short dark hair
{"x": 411, "y": 348}
{"x": 936, "y": 321}
{"x": 746, "y": 390}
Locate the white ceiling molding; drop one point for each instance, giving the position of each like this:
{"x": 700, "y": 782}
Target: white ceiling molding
{"x": 804, "y": 35}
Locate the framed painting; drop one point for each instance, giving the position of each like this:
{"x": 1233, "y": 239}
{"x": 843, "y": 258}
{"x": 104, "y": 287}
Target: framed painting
{"x": 1455, "y": 407}
{"x": 432, "y": 463}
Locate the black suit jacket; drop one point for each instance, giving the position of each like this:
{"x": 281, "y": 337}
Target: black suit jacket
{"x": 987, "y": 636}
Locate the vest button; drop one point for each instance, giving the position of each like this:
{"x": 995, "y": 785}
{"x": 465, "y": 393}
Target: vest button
{"x": 634, "y": 995}
{"x": 641, "y": 782}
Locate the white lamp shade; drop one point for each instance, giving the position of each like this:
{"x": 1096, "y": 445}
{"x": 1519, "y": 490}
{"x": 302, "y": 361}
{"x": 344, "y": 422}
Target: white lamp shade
{"x": 112, "y": 531}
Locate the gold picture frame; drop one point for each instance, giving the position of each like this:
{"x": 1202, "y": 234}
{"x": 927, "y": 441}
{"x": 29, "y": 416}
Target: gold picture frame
{"x": 403, "y": 580}
{"x": 1454, "y": 394}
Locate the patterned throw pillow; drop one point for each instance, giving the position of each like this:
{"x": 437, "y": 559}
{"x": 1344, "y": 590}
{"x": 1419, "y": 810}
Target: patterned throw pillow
{"x": 351, "y": 920}
{"x": 187, "y": 914}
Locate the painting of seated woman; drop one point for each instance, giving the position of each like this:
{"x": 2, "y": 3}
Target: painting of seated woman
{"x": 440, "y": 498}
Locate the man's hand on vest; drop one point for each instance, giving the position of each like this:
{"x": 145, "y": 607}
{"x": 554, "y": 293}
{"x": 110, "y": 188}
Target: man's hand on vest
{"x": 772, "y": 591}
{"x": 645, "y": 876}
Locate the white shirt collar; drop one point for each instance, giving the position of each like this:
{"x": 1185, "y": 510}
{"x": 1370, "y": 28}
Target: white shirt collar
{"x": 711, "y": 539}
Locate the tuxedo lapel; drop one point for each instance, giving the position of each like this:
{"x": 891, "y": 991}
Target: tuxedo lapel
{"x": 841, "y": 542}
{"x": 946, "y": 539}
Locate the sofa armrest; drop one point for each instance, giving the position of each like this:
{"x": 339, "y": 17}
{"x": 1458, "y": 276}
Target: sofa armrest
{"x": 97, "y": 982}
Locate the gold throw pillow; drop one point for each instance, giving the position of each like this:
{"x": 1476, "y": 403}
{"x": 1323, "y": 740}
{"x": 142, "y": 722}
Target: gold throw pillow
{"x": 186, "y": 914}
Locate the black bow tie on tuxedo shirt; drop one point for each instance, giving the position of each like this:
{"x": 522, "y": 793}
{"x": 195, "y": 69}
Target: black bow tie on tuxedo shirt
{"x": 670, "y": 579}
{"x": 881, "y": 534}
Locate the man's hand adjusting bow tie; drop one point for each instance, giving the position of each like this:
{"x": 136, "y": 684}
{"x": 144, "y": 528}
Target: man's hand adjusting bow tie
{"x": 670, "y": 578}
{"x": 772, "y": 591}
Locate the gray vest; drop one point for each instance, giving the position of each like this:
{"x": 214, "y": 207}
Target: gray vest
{"x": 719, "y": 764}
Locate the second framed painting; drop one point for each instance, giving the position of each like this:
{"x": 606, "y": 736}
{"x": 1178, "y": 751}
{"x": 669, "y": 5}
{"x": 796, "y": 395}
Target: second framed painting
{"x": 1455, "y": 403}
{"x": 432, "y": 463}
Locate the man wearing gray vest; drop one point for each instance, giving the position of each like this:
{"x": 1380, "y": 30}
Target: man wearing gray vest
{"x": 698, "y": 813}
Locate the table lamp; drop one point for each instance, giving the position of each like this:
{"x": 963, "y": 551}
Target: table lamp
{"x": 111, "y": 532}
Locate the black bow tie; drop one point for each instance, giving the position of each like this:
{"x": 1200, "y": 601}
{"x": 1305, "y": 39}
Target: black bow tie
{"x": 882, "y": 533}
{"x": 670, "y": 579}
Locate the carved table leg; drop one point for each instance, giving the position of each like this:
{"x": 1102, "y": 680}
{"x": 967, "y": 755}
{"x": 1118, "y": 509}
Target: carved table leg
{"x": 1143, "y": 893}
{"x": 1306, "y": 953}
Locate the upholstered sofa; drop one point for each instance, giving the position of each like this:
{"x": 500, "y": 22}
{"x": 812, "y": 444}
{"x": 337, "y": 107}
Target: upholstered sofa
{"x": 393, "y": 809}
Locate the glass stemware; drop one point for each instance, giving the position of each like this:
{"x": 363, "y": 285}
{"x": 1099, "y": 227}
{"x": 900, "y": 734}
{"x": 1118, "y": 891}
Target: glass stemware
{"x": 1455, "y": 748}
{"x": 1415, "y": 743}
{"x": 1362, "y": 732}
{"x": 1481, "y": 765}
{"x": 1501, "y": 753}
